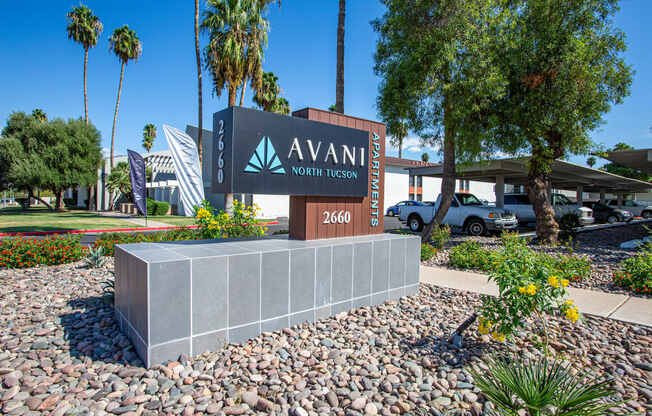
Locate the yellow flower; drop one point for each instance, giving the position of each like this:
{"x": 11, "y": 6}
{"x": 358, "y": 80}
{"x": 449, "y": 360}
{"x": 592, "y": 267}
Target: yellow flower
{"x": 553, "y": 281}
{"x": 498, "y": 336}
{"x": 564, "y": 282}
{"x": 531, "y": 289}
{"x": 572, "y": 314}
{"x": 522, "y": 290}
{"x": 203, "y": 214}
{"x": 484, "y": 326}
{"x": 569, "y": 302}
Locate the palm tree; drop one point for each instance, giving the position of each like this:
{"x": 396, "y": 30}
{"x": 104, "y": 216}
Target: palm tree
{"x": 591, "y": 161}
{"x": 126, "y": 46}
{"x": 425, "y": 157}
{"x": 339, "y": 83}
{"x": 149, "y": 134}
{"x": 282, "y": 106}
{"x": 228, "y": 23}
{"x": 267, "y": 95}
{"x": 39, "y": 115}
{"x": 256, "y": 41}
{"x": 198, "y": 57}
{"x": 85, "y": 28}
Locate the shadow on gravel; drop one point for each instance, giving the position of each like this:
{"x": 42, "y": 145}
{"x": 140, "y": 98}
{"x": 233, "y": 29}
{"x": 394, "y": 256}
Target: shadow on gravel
{"x": 440, "y": 352}
{"x": 93, "y": 333}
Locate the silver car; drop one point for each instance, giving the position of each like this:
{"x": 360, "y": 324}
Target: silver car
{"x": 637, "y": 208}
{"x": 520, "y": 205}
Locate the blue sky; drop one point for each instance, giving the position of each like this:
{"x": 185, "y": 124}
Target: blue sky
{"x": 41, "y": 68}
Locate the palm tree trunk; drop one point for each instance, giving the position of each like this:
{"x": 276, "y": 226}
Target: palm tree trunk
{"x": 85, "y": 90}
{"x": 233, "y": 92}
{"x": 115, "y": 114}
{"x": 339, "y": 83}
{"x": 199, "y": 122}
{"x": 400, "y": 148}
{"x": 244, "y": 89}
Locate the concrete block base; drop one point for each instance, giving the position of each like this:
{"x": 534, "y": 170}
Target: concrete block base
{"x": 188, "y": 297}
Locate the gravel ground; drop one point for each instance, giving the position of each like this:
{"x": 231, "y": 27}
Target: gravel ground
{"x": 602, "y": 247}
{"x": 61, "y": 353}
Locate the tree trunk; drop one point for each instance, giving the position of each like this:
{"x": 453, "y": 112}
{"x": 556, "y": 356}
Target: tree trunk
{"x": 85, "y": 90}
{"x": 115, "y": 118}
{"x": 198, "y": 56}
{"x": 59, "y": 205}
{"x": 233, "y": 92}
{"x": 447, "y": 182}
{"x": 339, "y": 83}
{"x": 537, "y": 183}
{"x": 91, "y": 198}
{"x": 244, "y": 89}
{"x": 400, "y": 148}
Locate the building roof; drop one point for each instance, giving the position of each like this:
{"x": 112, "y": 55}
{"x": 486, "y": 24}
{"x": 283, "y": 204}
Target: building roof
{"x": 640, "y": 159}
{"x": 160, "y": 161}
{"x": 406, "y": 163}
{"x": 564, "y": 175}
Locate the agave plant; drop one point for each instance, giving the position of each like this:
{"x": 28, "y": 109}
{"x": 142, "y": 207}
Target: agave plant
{"x": 535, "y": 388}
{"x": 95, "y": 257}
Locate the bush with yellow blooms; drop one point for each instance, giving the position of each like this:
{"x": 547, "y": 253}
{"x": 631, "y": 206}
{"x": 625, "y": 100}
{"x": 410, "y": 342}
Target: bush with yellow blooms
{"x": 241, "y": 223}
{"x": 528, "y": 288}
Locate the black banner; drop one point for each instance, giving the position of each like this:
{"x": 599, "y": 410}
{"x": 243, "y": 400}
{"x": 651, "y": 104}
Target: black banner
{"x": 138, "y": 180}
{"x": 265, "y": 153}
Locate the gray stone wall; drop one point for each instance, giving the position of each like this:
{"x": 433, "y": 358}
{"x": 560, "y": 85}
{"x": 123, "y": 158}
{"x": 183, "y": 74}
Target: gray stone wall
{"x": 195, "y": 296}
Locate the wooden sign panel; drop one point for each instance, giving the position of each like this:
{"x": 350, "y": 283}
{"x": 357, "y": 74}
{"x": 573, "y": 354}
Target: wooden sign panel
{"x": 315, "y": 217}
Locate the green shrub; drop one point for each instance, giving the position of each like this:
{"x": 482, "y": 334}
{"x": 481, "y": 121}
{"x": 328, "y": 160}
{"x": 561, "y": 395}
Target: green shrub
{"x": 20, "y": 252}
{"x": 531, "y": 388}
{"x": 440, "y": 236}
{"x": 568, "y": 223}
{"x": 241, "y": 223}
{"x": 427, "y": 251}
{"x": 151, "y": 207}
{"x": 471, "y": 255}
{"x": 69, "y": 203}
{"x": 636, "y": 273}
{"x": 95, "y": 257}
{"x": 162, "y": 208}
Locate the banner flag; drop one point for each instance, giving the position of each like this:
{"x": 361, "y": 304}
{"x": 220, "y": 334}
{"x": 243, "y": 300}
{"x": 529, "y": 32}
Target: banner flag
{"x": 187, "y": 169}
{"x": 138, "y": 180}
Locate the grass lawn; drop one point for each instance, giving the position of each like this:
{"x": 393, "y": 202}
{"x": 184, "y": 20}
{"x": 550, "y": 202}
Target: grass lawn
{"x": 40, "y": 219}
{"x": 176, "y": 220}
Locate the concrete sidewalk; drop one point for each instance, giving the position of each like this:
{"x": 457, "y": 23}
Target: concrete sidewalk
{"x": 134, "y": 219}
{"x": 607, "y": 305}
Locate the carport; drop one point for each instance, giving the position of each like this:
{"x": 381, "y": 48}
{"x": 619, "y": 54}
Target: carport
{"x": 640, "y": 159}
{"x": 564, "y": 176}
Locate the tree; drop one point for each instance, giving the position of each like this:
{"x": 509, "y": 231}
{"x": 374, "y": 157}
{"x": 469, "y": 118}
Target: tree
{"x": 39, "y": 115}
{"x": 84, "y": 28}
{"x": 72, "y": 153}
{"x": 119, "y": 182}
{"x": 435, "y": 71}
{"x": 425, "y": 157}
{"x": 267, "y": 95}
{"x": 398, "y": 131}
{"x": 339, "y": 82}
{"x": 149, "y": 134}
{"x": 282, "y": 107}
{"x": 255, "y": 42}
{"x": 591, "y": 161}
{"x": 230, "y": 24}
{"x": 126, "y": 46}
{"x": 563, "y": 65}
{"x": 53, "y": 155}
{"x": 199, "y": 98}
{"x": 332, "y": 108}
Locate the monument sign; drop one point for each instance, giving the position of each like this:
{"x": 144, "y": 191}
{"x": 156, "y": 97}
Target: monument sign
{"x": 189, "y": 297}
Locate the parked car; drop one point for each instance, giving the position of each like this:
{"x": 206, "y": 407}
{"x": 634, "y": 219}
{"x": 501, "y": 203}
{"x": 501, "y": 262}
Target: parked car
{"x": 520, "y": 205}
{"x": 605, "y": 213}
{"x": 393, "y": 210}
{"x": 467, "y": 213}
{"x": 637, "y": 208}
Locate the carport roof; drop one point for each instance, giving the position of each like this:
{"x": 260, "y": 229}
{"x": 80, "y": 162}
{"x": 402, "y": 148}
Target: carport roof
{"x": 564, "y": 175}
{"x": 640, "y": 159}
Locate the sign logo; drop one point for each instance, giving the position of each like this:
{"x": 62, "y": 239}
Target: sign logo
{"x": 265, "y": 159}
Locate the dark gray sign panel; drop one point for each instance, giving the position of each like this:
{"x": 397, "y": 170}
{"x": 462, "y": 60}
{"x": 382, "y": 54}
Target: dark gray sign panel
{"x": 265, "y": 153}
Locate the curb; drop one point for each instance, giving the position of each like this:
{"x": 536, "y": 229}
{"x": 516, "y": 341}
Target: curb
{"x": 110, "y": 230}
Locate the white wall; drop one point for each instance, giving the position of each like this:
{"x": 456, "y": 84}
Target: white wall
{"x": 397, "y": 186}
{"x": 483, "y": 190}
{"x": 272, "y": 206}
{"x": 431, "y": 188}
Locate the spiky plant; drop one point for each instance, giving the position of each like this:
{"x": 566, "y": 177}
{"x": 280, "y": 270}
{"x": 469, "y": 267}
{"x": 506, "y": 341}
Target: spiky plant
{"x": 534, "y": 388}
{"x": 95, "y": 257}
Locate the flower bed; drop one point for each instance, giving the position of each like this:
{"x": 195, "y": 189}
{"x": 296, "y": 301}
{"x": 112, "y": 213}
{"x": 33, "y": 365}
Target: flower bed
{"x": 20, "y": 252}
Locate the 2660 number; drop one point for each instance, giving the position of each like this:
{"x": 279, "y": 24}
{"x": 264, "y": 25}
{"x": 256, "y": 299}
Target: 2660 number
{"x": 337, "y": 217}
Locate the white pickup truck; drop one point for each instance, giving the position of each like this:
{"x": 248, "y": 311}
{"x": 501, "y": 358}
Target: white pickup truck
{"x": 467, "y": 213}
